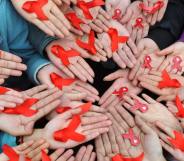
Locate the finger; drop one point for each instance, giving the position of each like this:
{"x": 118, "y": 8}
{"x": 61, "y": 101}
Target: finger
{"x": 127, "y": 16}
{"x": 10, "y": 57}
{"x": 104, "y": 13}
{"x": 151, "y": 88}
{"x": 148, "y": 99}
{"x": 166, "y": 98}
{"x": 88, "y": 152}
{"x": 112, "y": 139}
{"x": 167, "y": 51}
{"x": 12, "y": 99}
{"x": 106, "y": 141}
{"x": 24, "y": 146}
{"x": 168, "y": 148}
{"x": 92, "y": 120}
{"x": 36, "y": 90}
{"x": 95, "y": 28}
{"x": 12, "y": 65}
{"x": 134, "y": 70}
{"x": 7, "y": 104}
{"x": 56, "y": 154}
{"x": 66, "y": 155}
{"x": 107, "y": 94}
{"x": 87, "y": 87}
{"x": 111, "y": 99}
{"x": 118, "y": 60}
{"x": 80, "y": 153}
{"x": 93, "y": 156}
{"x": 10, "y": 72}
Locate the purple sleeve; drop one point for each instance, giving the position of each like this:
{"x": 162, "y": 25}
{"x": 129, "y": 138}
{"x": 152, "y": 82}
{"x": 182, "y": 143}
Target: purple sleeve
{"x": 182, "y": 38}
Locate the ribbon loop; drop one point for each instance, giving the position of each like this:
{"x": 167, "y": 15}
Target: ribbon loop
{"x": 60, "y": 82}
{"x": 121, "y": 92}
{"x": 90, "y": 45}
{"x": 139, "y": 22}
{"x": 134, "y": 140}
{"x": 120, "y": 157}
{"x": 86, "y": 6}
{"x": 139, "y": 106}
{"x": 64, "y": 55}
{"x": 36, "y": 7}
{"x": 3, "y": 90}
{"x": 177, "y": 60}
{"x": 147, "y": 62}
{"x": 117, "y": 14}
{"x": 115, "y": 39}
{"x": 167, "y": 82}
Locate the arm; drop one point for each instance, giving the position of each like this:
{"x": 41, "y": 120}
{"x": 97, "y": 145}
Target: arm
{"x": 170, "y": 28}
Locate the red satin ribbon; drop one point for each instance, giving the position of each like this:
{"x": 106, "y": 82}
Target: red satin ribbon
{"x": 115, "y": 39}
{"x": 147, "y": 62}
{"x": 90, "y": 46}
{"x": 45, "y": 157}
{"x": 23, "y": 109}
{"x": 120, "y": 157}
{"x": 69, "y": 133}
{"x": 60, "y": 109}
{"x": 180, "y": 107}
{"x": 134, "y": 140}
{"x": 177, "y": 60}
{"x": 178, "y": 141}
{"x": 120, "y": 92}
{"x": 3, "y": 90}
{"x": 139, "y": 22}
{"x": 64, "y": 55}
{"x": 86, "y": 6}
{"x": 36, "y": 7}
{"x": 139, "y": 106}
{"x": 11, "y": 154}
{"x": 117, "y": 14}
{"x": 168, "y": 82}
{"x": 151, "y": 10}
{"x": 60, "y": 82}
{"x": 76, "y": 22}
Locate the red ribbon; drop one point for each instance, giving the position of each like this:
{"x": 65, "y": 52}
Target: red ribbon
{"x": 120, "y": 157}
{"x": 90, "y": 46}
{"x": 61, "y": 109}
{"x": 11, "y": 154}
{"x": 86, "y": 6}
{"x": 117, "y": 14}
{"x": 120, "y": 92}
{"x": 76, "y": 22}
{"x": 3, "y": 90}
{"x": 139, "y": 22}
{"x": 147, "y": 62}
{"x": 139, "y": 106}
{"x": 45, "y": 157}
{"x": 60, "y": 82}
{"x": 180, "y": 107}
{"x": 178, "y": 141}
{"x": 23, "y": 109}
{"x": 151, "y": 10}
{"x": 69, "y": 133}
{"x": 63, "y": 55}
{"x": 168, "y": 82}
{"x": 177, "y": 60}
{"x": 115, "y": 39}
{"x": 36, "y": 7}
{"x": 134, "y": 140}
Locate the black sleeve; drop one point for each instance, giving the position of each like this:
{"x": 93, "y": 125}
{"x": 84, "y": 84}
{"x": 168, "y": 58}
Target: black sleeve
{"x": 170, "y": 28}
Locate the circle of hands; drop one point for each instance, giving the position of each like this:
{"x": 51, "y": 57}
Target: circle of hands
{"x": 122, "y": 108}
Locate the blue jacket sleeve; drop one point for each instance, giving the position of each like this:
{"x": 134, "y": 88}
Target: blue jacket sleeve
{"x": 19, "y": 44}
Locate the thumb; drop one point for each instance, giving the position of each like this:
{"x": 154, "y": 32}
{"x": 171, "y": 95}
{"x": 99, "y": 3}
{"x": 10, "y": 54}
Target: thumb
{"x": 76, "y": 96}
{"x": 29, "y": 127}
{"x": 115, "y": 75}
{"x": 166, "y": 51}
{"x": 127, "y": 16}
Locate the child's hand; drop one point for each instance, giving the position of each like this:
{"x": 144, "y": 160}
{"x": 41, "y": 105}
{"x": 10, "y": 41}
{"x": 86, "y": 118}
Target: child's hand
{"x": 77, "y": 65}
{"x": 164, "y": 133}
{"x": 171, "y": 64}
{"x": 85, "y": 153}
{"x": 91, "y": 126}
{"x": 10, "y": 98}
{"x": 120, "y": 88}
{"x": 44, "y": 76}
{"x": 10, "y": 65}
{"x": 49, "y": 18}
{"x": 147, "y": 61}
{"x": 158, "y": 15}
{"x": 156, "y": 111}
{"x": 19, "y": 125}
{"x": 150, "y": 141}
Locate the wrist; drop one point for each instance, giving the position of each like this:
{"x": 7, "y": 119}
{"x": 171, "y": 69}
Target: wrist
{"x": 37, "y": 134}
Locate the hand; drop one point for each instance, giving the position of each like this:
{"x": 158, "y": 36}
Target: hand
{"x": 126, "y": 53}
{"x": 68, "y": 2}
{"x": 78, "y": 66}
{"x": 85, "y": 153}
{"x": 156, "y": 111}
{"x": 151, "y": 81}
{"x": 150, "y": 141}
{"x": 108, "y": 99}
{"x": 164, "y": 133}
{"x": 52, "y": 22}
{"x": 10, "y": 99}
{"x": 19, "y": 125}
{"x": 172, "y": 52}
{"x": 136, "y": 29}
{"x": 112, "y": 5}
{"x": 10, "y": 65}
{"x": 158, "y": 15}
{"x": 147, "y": 48}
{"x": 84, "y": 89}
{"x": 92, "y": 125}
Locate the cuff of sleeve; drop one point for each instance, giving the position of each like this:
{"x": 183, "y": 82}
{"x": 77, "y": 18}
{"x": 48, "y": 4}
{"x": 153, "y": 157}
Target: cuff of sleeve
{"x": 181, "y": 38}
{"x": 163, "y": 38}
{"x": 34, "y": 66}
{"x": 6, "y": 138}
